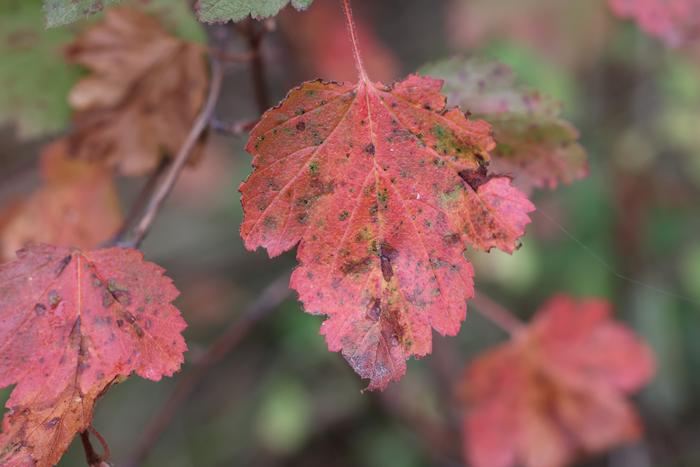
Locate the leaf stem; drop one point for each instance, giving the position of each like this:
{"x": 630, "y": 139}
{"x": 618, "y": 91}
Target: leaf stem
{"x": 497, "y": 314}
{"x": 353, "y": 38}
{"x": 93, "y": 459}
{"x": 165, "y": 186}
{"x": 267, "y": 302}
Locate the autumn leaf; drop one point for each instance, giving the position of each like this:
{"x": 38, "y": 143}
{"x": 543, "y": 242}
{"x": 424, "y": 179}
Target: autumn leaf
{"x": 77, "y": 206}
{"x": 215, "y": 11}
{"x": 534, "y": 145}
{"x": 72, "y": 323}
{"x": 142, "y": 96}
{"x": 676, "y": 22}
{"x": 556, "y": 389}
{"x": 383, "y": 188}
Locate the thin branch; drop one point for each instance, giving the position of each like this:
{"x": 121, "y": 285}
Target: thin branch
{"x": 165, "y": 186}
{"x": 231, "y": 57}
{"x": 239, "y": 128}
{"x": 497, "y": 314}
{"x": 268, "y": 301}
{"x": 136, "y": 209}
{"x": 93, "y": 459}
{"x": 255, "y": 36}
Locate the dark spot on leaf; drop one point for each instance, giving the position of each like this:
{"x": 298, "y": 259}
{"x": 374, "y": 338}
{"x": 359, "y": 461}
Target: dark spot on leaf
{"x": 54, "y": 299}
{"x": 39, "y": 309}
{"x": 374, "y": 310}
{"x": 301, "y": 126}
{"x": 369, "y": 149}
{"x": 52, "y": 423}
{"x": 475, "y": 178}
{"x": 63, "y": 264}
{"x": 387, "y": 254}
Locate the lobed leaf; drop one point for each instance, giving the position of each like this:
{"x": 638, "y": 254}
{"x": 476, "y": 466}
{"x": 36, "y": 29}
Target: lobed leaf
{"x": 383, "y": 188}
{"x": 142, "y": 96}
{"x": 556, "y": 389}
{"x": 214, "y": 11}
{"x": 72, "y": 323}
{"x": 534, "y": 145}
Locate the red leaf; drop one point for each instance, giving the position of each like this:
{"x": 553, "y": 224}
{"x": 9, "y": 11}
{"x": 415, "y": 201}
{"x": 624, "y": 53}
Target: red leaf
{"x": 676, "y": 22}
{"x": 382, "y": 187}
{"x": 72, "y": 323}
{"x": 558, "y": 388}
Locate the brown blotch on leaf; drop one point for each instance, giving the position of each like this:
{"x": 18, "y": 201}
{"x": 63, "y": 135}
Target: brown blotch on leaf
{"x": 387, "y": 254}
{"x": 375, "y": 309}
{"x": 475, "y": 178}
{"x": 63, "y": 264}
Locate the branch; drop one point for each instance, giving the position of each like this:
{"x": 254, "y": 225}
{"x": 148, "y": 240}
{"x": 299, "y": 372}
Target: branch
{"x": 93, "y": 459}
{"x": 165, "y": 185}
{"x": 238, "y": 128}
{"x": 268, "y": 301}
{"x": 255, "y": 37}
{"x": 497, "y": 314}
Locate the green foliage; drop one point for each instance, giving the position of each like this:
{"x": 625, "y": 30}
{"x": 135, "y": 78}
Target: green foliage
{"x": 34, "y": 75}
{"x": 213, "y": 11}
{"x": 60, "y": 12}
{"x": 34, "y": 78}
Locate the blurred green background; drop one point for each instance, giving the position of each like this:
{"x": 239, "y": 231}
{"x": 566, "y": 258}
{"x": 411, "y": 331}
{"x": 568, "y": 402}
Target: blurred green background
{"x": 628, "y": 233}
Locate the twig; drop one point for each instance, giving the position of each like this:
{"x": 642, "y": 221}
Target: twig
{"x": 268, "y": 301}
{"x": 166, "y": 184}
{"x": 497, "y": 314}
{"x": 136, "y": 209}
{"x": 93, "y": 459}
{"x": 238, "y": 128}
{"x": 232, "y": 57}
{"x": 255, "y": 37}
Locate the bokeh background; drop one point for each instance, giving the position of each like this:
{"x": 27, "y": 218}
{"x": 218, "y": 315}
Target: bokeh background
{"x": 629, "y": 233}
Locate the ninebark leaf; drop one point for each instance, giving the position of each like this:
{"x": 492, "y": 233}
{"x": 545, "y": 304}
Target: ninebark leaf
{"x": 558, "y": 388}
{"x": 144, "y": 92}
{"x": 535, "y": 146}
{"x": 215, "y": 11}
{"x": 72, "y": 323}
{"x": 60, "y": 12}
{"x": 383, "y": 188}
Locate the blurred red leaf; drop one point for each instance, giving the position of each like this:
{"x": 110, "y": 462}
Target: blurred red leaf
{"x": 676, "y": 22}
{"x": 77, "y": 206}
{"x": 142, "y": 96}
{"x": 71, "y": 324}
{"x": 556, "y": 389}
{"x": 382, "y": 187}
